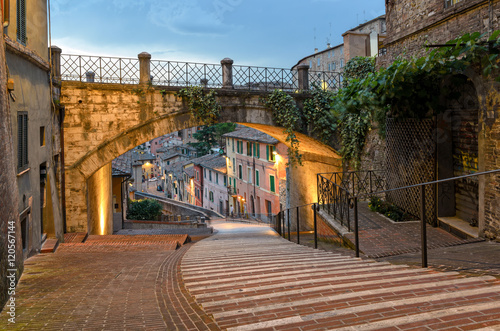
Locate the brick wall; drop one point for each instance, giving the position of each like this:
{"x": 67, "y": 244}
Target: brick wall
{"x": 413, "y": 24}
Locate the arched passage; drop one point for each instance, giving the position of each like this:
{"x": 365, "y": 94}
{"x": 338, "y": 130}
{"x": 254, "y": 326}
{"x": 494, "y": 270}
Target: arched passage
{"x": 104, "y": 121}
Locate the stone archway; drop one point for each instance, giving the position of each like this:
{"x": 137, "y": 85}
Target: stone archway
{"x": 104, "y": 121}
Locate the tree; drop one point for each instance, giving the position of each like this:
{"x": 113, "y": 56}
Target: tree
{"x": 211, "y": 136}
{"x": 144, "y": 210}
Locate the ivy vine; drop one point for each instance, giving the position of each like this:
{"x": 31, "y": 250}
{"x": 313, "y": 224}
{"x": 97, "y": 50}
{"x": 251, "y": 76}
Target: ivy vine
{"x": 287, "y": 114}
{"x": 202, "y": 104}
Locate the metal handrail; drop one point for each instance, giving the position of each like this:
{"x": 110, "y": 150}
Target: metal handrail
{"x": 353, "y": 204}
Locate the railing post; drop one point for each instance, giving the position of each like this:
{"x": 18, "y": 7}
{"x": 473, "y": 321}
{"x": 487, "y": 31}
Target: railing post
{"x": 423, "y": 226}
{"x": 356, "y": 229}
{"x": 144, "y": 68}
{"x": 315, "y": 222}
{"x": 288, "y": 223}
{"x": 227, "y": 73}
{"x": 303, "y": 76}
{"x": 298, "y": 224}
{"x": 55, "y": 54}
{"x": 90, "y": 76}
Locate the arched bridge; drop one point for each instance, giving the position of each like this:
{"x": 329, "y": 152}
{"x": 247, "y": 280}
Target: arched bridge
{"x": 113, "y": 105}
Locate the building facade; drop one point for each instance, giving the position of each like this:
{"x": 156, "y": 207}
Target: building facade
{"x": 36, "y": 122}
{"x": 215, "y": 181}
{"x": 470, "y": 125}
{"x": 363, "y": 40}
{"x": 256, "y": 162}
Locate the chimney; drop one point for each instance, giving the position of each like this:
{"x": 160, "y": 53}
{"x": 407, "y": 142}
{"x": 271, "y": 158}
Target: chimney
{"x": 316, "y": 50}
{"x": 328, "y": 45}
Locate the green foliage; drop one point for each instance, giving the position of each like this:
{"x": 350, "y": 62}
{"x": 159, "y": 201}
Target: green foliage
{"x": 358, "y": 68}
{"x": 205, "y": 140}
{"x": 203, "y": 105}
{"x": 211, "y": 136}
{"x": 287, "y": 115}
{"x": 221, "y": 129}
{"x": 144, "y": 210}
{"x": 320, "y": 114}
{"x": 393, "y": 212}
{"x": 353, "y": 129}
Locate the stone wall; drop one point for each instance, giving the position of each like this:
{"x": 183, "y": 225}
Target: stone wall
{"x": 413, "y": 24}
{"x": 8, "y": 190}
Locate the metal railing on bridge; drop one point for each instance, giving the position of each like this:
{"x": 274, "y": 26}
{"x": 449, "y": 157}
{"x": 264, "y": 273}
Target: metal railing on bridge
{"x": 114, "y": 70}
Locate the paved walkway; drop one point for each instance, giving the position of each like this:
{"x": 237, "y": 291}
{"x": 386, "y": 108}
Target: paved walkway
{"x": 254, "y": 280}
{"x": 380, "y": 237}
{"x": 245, "y": 277}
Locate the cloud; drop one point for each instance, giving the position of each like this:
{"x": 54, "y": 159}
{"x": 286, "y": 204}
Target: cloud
{"x": 190, "y": 17}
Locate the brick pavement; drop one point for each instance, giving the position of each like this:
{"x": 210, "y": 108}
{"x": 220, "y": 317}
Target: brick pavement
{"x": 121, "y": 285}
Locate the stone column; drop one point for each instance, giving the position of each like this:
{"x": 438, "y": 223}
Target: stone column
{"x": 100, "y": 199}
{"x": 56, "y": 62}
{"x": 90, "y": 75}
{"x": 145, "y": 68}
{"x": 303, "y": 76}
{"x": 227, "y": 73}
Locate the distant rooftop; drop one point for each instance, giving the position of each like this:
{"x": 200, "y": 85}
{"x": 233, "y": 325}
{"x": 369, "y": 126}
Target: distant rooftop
{"x": 252, "y": 135}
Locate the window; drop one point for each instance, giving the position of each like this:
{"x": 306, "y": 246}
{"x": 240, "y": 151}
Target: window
{"x": 234, "y": 166}
{"x": 22, "y": 140}
{"x": 205, "y": 173}
{"x": 272, "y": 188}
{"x": 211, "y": 196}
{"x": 42, "y": 136}
{"x": 249, "y": 173}
{"x": 225, "y": 181}
{"x": 257, "y": 178}
{"x": 310, "y": 64}
{"x": 448, "y": 3}
{"x": 168, "y": 162}
{"x": 197, "y": 175}
{"x": 206, "y": 190}
{"x": 233, "y": 144}
{"x": 319, "y": 61}
{"x": 21, "y": 21}
{"x": 217, "y": 178}
{"x": 238, "y": 147}
{"x": 341, "y": 63}
{"x": 333, "y": 52}
{"x": 270, "y": 149}
{"x": 249, "y": 148}
{"x": 240, "y": 174}
{"x": 210, "y": 175}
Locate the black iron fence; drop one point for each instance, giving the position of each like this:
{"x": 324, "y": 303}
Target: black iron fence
{"x": 336, "y": 190}
{"x": 100, "y": 69}
{"x": 290, "y": 223}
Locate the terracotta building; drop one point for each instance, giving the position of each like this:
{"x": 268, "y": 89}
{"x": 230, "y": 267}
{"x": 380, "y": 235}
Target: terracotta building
{"x": 256, "y": 168}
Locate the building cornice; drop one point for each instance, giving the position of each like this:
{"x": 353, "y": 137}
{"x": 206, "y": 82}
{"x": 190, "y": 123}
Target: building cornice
{"x": 20, "y": 50}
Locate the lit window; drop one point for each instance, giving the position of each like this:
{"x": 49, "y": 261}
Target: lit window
{"x": 249, "y": 148}
{"x": 448, "y": 3}
{"x": 270, "y": 153}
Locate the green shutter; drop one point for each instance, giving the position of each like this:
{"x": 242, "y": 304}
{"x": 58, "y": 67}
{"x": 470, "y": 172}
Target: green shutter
{"x": 258, "y": 150}
{"x": 257, "y": 179}
{"x": 271, "y": 184}
{"x": 267, "y": 152}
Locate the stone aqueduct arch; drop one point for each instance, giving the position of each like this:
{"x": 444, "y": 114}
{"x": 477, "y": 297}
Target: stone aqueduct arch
{"x": 103, "y": 121}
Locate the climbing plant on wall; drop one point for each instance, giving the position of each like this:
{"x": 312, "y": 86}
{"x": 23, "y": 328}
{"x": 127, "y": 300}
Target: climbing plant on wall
{"x": 202, "y": 104}
{"x": 287, "y": 114}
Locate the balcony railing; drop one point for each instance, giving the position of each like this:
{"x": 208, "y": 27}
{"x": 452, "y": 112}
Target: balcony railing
{"x": 100, "y": 69}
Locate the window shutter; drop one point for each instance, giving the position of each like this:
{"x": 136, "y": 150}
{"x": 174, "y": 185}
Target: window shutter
{"x": 21, "y": 21}
{"x": 267, "y": 152}
{"x": 19, "y": 141}
{"x": 271, "y": 182}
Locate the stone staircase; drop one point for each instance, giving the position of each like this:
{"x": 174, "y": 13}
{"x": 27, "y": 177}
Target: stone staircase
{"x": 259, "y": 281}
